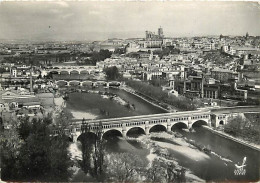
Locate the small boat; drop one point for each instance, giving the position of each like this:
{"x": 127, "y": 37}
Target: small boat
{"x": 206, "y": 150}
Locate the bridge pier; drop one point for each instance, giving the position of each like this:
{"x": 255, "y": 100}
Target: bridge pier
{"x": 124, "y": 133}
{"x": 74, "y": 138}
{"x": 189, "y": 122}
{"x": 169, "y": 125}
{"x": 147, "y": 128}
{"x": 124, "y": 130}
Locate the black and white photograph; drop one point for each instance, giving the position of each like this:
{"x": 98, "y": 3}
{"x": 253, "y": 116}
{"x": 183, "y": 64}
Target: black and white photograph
{"x": 130, "y": 91}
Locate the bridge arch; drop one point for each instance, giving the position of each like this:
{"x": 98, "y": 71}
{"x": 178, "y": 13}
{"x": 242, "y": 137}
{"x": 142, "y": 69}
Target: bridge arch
{"x": 64, "y": 72}
{"x": 74, "y": 83}
{"x": 54, "y": 72}
{"x": 135, "y": 131}
{"x": 179, "y": 125}
{"x": 74, "y": 72}
{"x": 66, "y": 137}
{"x": 111, "y": 133}
{"x": 88, "y": 135}
{"x": 92, "y": 72}
{"x": 62, "y": 83}
{"x": 199, "y": 123}
{"x": 84, "y": 72}
{"x": 87, "y": 83}
{"x": 158, "y": 128}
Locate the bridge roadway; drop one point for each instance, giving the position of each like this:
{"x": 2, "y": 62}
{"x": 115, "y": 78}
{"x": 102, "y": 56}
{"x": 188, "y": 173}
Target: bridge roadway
{"x": 211, "y": 117}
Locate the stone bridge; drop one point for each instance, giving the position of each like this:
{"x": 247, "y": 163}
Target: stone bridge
{"x": 147, "y": 123}
{"x": 74, "y": 69}
{"x": 85, "y": 83}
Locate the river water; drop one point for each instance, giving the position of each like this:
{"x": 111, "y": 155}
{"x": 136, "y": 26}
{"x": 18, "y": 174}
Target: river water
{"x": 217, "y": 166}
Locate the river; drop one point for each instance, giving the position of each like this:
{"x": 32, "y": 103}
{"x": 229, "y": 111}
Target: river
{"x": 218, "y": 166}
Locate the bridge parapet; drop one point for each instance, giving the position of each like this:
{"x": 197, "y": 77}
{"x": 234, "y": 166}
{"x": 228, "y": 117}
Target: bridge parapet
{"x": 146, "y": 122}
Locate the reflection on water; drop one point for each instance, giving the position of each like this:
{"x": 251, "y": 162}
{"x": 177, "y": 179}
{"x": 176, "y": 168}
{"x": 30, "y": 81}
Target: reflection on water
{"x": 159, "y": 139}
{"x": 120, "y": 145}
{"x": 218, "y": 166}
{"x": 225, "y": 153}
{"x": 105, "y": 108}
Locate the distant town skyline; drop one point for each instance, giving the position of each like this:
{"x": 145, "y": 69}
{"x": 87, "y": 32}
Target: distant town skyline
{"x": 89, "y": 21}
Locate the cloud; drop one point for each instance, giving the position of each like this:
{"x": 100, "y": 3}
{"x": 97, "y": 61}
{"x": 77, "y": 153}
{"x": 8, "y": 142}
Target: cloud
{"x": 62, "y": 4}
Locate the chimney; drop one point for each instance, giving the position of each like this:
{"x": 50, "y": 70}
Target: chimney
{"x": 31, "y": 87}
{"x": 184, "y": 86}
{"x": 202, "y": 86}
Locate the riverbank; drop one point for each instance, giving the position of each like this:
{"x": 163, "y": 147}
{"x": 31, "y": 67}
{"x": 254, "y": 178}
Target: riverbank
{"x": 238, "y": 140}
{"x": 133, "y": 92}
{"x": 162, "y": 147}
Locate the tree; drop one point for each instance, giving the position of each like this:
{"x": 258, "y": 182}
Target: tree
{"x": 92, "y": 151}
{"x": 156, "y": 172}
{"x": 59, "y": 159}
{"x": 98, "y": 155}
{"x": 112, "y": 73}
{"x": 247, "y": 128}
{"x": 38, "y": 156}
{"x": 101, "y": 55}
{"x": 10, "y": 144}
{"x": 87, "y": 147}
{"x": 120, "y": 51}
{"x": 156, "y": 93}
{"x": 34, "y": 163}
{"x": 124, "y": 167}
{"x": 161, "y": 171}
{"x": 24, "y": 128}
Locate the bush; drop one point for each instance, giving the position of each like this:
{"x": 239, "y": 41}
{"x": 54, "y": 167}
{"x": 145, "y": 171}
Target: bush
{"x": 248, "y": 128}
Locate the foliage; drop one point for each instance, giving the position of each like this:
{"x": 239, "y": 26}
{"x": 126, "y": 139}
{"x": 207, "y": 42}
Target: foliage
{"x": 157, "y": 82}
{"x": 124, "y": 167}
{"x": 120, "y": 51}
{"x": 166, "y": 51}
{"x": 38, "y": 157}
{"x": 87, "y": 147}
{"x": 218, "y": 57}
{"x": 10, "y": 144}
{"x": 112, "y": 73}
{"x": 154, "y": 92}
{"x": 164, "y": 172}
{"x": 101, "y": 55}
{"x": 2, "y": 70}
{"x": 93, "y": 57}
{"x": 92, "y": 151}
{"x": 247, "y": 128}
{"x": 98, "y": 154}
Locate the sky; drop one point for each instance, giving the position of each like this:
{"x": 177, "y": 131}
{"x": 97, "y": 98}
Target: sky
{"x": 89, "y": 21}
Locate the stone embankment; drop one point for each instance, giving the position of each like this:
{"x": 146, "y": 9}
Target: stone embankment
{"x": 132, "y": 91}
{"x": 238, "y": 140}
